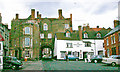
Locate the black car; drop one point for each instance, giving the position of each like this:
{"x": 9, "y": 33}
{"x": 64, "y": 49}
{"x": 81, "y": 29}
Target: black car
{"x": 96, "y": 58}
{"x": 12, "y": 62}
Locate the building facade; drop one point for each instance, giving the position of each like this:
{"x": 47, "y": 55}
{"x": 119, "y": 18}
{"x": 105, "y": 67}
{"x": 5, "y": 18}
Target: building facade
{"x": 34, "y": 37}
{"x": 1, "y": 52}
{"x": 4, "y": 41}
{"x": 79, "y": 43}
{"x": 4, "y": 31}
{"x": 112, "y": 40}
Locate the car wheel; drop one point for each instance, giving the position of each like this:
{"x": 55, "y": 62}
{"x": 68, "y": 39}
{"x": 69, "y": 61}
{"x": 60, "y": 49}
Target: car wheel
{"x": 13, "y": 67}
{"x": 113, "y": 63}
{"x": 95, "y": 61}
{"x": 76, "y": 59}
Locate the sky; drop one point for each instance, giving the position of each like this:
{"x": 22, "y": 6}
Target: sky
{"x": 100, "y": 13}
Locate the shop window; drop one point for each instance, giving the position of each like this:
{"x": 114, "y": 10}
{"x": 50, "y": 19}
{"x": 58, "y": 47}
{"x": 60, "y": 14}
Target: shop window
{"x": 49, "y": 35}
{"x": 113, "y": 51}
{"x": 76, "y": 54}
{"x": 69, "y": 45}
{"x": 66, "y": 26}
{"x": 62, "y": 54}
{"x": 87, "y": 44}
{"x": 98, "y": 35}
{"x": 41, "y": 35}
{"x": 45, "y": 27}
{"x": 27, "y": 30}
{"x": 27, "y": 41}
{"x": 85, "y": 35}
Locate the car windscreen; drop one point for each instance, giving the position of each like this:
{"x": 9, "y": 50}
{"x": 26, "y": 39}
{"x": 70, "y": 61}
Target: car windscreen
{"x": 14, "y": 58}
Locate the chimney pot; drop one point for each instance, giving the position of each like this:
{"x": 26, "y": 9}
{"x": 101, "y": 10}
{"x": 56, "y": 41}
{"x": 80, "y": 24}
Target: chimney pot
{"x": 17, "y": 16}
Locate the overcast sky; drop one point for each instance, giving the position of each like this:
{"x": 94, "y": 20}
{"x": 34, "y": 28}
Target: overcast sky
{"x": 94, "y": 12}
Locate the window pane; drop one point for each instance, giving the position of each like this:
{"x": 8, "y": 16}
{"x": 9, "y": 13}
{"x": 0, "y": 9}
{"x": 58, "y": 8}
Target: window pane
{"x": 45, "y": 27}
{"x": 41, "y": 35}
{"x": 27, "y": 30}
{"x": 49, "y": 35}
{"x": 27, "y": 41}
{"x": 66, "y": 26}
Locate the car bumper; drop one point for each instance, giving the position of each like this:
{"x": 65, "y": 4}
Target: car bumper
{"x": 21, "y": 66}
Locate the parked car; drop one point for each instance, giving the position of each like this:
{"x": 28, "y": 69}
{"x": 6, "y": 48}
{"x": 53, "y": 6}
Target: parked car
{"x": 96, "y": 58}
{"x": 12, "y": 62}
{"x": 113, "y": 60}
{"x": 72, "y": 57}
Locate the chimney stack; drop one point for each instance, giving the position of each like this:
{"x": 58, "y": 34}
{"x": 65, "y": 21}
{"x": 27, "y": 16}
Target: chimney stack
{"x": 33, "y": 13}
{"x": 17, "y": 16}
{"x": 97, "y": 26}
{"x": 80, "y": 32}
{"x": 60, "y": 13}
{"x": 37, "y": 14}
{"x": 116, "y": 23}
{"x": 71, "y": 23}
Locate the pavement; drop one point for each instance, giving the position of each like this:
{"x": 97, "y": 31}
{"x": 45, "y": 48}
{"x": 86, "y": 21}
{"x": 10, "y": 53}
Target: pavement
{"x": 63, "y": 65}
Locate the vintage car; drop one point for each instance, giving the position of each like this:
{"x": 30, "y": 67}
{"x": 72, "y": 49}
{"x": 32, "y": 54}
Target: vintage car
{"x": 12, "y": 62}
{"x": 72, "y": 57}
{"x": 96, "y": 58}
{"x": 113, "y": 60}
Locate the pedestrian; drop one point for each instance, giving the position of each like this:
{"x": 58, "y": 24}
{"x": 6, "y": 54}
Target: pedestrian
{"x": 88, "y": 57}
{"x": 66, "y": 55}
{"x": 85, "y": 58}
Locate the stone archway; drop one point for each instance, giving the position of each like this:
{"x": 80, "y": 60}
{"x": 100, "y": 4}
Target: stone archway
{"x": 46, "y": 52}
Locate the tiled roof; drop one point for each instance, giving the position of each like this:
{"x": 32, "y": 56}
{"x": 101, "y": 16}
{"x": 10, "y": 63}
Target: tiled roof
{"x": 92, "y": 33}
{"x": 62, "y": 36}
{"x": 113, "y": 31}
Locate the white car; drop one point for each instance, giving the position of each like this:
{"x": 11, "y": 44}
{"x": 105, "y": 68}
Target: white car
{"x": 113, "y": 60}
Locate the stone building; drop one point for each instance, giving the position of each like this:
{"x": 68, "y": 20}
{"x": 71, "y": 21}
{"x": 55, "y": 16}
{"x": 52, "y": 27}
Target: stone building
{"x": 112, "y": 40}
{"x": 33, "y": 37}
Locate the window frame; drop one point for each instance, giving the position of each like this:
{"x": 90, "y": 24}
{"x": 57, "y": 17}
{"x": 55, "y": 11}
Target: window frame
{"x": 26, "y": 30}
{"x": 66, "y": 26}
{"x": 69, "y": 45}
{"x": 49, "y": 35}
{"x": 98, "y": 35}
{"x": 27, "y": 43}
{"x": 45, "y": 27}
{"x": 85, "y": 35}
{"x": 87, "y": 44}
{"x": 42, "y": 35}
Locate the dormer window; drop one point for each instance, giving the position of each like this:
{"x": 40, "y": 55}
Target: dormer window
{"x": 98, "y": 35}
{"x": 85, "y": 35}
{"x": 66, "y": 26}
{"x": 45, "y": 27}
{"x": 67, "y": 34}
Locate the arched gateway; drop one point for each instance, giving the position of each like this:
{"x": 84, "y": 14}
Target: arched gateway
{"x": 46, "y": 52}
